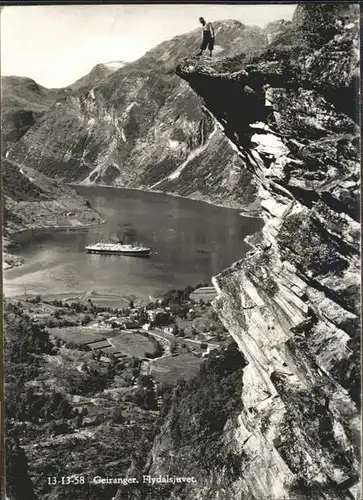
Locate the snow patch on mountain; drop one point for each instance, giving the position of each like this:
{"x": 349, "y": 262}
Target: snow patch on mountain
{"x": 115, "y": 65}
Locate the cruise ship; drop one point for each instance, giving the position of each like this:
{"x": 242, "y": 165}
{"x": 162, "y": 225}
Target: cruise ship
{"x": 118, "y": 248}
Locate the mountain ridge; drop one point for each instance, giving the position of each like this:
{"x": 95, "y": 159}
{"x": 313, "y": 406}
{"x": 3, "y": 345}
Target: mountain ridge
{"x": 139, "y": 124}
{"x": 97, "y": 74}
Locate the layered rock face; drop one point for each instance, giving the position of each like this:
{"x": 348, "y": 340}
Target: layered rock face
{"x": 142, "y": 126}
{"x": 292, "y": 305}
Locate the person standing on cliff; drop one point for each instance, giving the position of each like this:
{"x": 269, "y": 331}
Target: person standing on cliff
{"x": 208, "y": 37}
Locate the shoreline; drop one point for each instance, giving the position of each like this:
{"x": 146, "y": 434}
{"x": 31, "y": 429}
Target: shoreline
{"x": 12, "y": 261}
{"x": 78, "y": 295}
{"x": 54, "y": 228}
{"x": 41, "y": 229}
{"x": 253, "y": 214}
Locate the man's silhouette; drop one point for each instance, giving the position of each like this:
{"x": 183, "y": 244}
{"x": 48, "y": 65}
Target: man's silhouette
{"x": 208, "y": 37}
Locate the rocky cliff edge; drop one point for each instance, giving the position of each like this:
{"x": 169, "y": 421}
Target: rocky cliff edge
{"x": 292, "y": 305}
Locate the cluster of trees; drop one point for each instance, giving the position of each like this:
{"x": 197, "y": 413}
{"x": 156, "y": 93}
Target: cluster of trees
{"x": 58, "y": 323}
{"x": 18, "y": 483}
{"x": 197, "y": 410}
{"x": 91, "y": 380}
{"x": 162, "y": 319}
{"x": 179, "y": 331}
{"x": 158, "y": 348}
{"x": 180, "y": 310}
{"x": 152, "y": 305}
{"x": 78, "y": 307}
{"x": 24, "y": 339}
{"x": 25, "y": 344}
{"x": 128, "y": 368}
{"x": 17, "y": 186}
{"x": 51, "y": 413}
{"x": 10, "y": 216}
{"x": 35, "y": 300}
{"x": 145, "y": 396}
{"x": 31, "y": 406}
{"x": 179, "y": 296}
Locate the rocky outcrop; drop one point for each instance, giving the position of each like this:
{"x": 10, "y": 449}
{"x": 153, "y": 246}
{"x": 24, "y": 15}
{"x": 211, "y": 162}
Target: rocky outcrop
{"x": 142, "y": 126}
{"x": 275, "y": 29}
{"x": 292, "y": 305}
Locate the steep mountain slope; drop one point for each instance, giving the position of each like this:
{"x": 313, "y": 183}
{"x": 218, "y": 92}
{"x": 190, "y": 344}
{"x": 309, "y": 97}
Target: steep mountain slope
{"x": 292, "y": 305}
{"x": 276, "y": 29}
{"x": 143, "y": 127}
{"x": 22, "y": 102}
{"x": 99, "y": 73}
{"x": 31, "y": 201}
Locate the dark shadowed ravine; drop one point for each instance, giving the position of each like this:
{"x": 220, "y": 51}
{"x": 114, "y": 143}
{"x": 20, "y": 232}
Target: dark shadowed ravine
{"x": 191, "y": 241}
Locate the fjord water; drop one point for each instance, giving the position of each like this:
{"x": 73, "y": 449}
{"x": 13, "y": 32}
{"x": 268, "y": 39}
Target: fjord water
{"x": 191, "y": 241}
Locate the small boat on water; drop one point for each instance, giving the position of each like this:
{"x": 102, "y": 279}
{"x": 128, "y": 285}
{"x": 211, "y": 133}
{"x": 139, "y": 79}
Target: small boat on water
{"x": 119, "y": 248}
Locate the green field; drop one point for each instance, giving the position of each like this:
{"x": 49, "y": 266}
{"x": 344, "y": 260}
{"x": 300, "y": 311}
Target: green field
{"x": 172, "y": 368}
{"x": 78, "y": 334}
{"x": 127, "y": 342}
{"x": 133, "y": 344}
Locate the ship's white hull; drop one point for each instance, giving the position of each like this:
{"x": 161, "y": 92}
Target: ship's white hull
{"x": 134, "y": 253}
{"x": 117, "y": 249}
